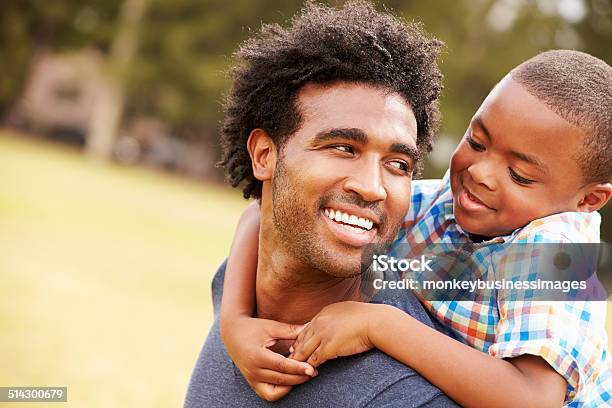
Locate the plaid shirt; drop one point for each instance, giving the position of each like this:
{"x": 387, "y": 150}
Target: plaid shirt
{"x": 569, "y": 335}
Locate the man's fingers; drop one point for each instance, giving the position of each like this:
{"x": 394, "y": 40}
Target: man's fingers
{"x": 271, "y": 392}
{"x": 276, "y": 378}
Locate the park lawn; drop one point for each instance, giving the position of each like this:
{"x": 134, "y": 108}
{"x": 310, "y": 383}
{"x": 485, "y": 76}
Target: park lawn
{"x": 105, "y": 275}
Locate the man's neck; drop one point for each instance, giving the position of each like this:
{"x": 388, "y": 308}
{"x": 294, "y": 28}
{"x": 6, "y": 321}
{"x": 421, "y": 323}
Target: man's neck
{"x": 289, "y": 291}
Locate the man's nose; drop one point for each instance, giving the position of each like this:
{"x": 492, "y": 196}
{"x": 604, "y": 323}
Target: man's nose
{"x": 366, "y": 181}
{"x": 483, "y": 174}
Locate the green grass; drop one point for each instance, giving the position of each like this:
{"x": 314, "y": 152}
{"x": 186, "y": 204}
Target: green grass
{"x": 105, "y": 275}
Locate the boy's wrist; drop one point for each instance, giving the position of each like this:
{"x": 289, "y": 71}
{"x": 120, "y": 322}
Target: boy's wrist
{"x": 228, "y": 320}
{"x": 378, "y": 322}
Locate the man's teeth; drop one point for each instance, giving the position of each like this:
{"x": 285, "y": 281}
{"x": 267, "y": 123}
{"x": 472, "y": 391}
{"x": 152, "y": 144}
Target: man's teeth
{"x": 345, "y": 218}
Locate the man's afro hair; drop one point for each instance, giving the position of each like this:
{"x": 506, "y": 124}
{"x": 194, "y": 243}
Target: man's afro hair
{"x": 354, "y": 43}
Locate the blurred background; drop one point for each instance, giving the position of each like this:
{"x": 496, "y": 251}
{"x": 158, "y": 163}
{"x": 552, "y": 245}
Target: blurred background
{"x": 113, "y": 217}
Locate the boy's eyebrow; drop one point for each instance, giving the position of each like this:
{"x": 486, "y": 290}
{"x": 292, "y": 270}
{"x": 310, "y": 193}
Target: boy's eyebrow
{"x": 481, "y": 125}
{"x": 522, "y": 156}
{"x": 359, "y": 136}
{"x": 530, "y": 159}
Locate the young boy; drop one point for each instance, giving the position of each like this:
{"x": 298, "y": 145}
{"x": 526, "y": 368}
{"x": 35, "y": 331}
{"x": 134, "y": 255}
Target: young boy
{"x": 533, "y": 166}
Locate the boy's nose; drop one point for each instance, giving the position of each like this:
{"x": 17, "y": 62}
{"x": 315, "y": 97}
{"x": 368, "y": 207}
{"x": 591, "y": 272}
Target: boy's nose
{"x": 482, "y": 174}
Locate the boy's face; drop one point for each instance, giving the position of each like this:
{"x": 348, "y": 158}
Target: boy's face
{"x": 516, "y": 163}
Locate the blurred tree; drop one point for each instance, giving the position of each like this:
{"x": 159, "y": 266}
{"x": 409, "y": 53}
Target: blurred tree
{"x": 109, "y": 107}
{"x": 28, "y": 26}
{"x": 180, "y": 72}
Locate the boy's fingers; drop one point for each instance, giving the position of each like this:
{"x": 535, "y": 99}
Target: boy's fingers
{"x": 276, "y": 378}
{"x": 271, "y": 392}
{"x": 276, "y": 362}
{"x": 304, "y": 334}
{"x": 285, "y": 331}
{"x": 304, "y": 350}
{"x": 318, "y": 357}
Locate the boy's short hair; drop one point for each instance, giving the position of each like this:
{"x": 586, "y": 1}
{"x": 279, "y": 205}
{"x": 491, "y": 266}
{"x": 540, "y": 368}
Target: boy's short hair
{"x": 354, "y": 43}
{"x": 578, "y": 87}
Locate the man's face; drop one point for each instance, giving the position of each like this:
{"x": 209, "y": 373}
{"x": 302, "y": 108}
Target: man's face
{"x": 343, "y": 179}
{"x": 516, "y": 163}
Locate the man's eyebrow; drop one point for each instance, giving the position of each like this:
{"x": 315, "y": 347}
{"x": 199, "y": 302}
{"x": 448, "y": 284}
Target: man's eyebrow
{"x": 521, "y": 156}
{"x": 409, "y": 151}
{"x": 360, "y": 137}
{"x": 354, "y": 134}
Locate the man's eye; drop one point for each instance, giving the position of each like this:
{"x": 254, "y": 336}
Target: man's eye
{"x": 475, "y": 145}
{"x": 344, "y": 148}
{"x": 518, "y": 179}
{"x": 400, "y": 165}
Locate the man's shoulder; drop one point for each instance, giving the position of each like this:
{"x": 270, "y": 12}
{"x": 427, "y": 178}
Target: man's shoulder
{"x": 361, "y": 380}
{"x": 217, "y": 287}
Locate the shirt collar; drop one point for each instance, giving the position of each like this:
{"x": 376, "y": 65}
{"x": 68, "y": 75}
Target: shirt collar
{"x": 450, "y": 216}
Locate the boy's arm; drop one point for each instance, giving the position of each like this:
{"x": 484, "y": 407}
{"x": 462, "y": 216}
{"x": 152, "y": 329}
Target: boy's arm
{"x": 241, "y": 270}
{"x": 246, "y": 338}
{"x": 470, "y": 377}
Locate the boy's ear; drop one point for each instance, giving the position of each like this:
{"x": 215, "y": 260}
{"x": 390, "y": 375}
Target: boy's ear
{"x": 263, "y": 154}
{"x": 595, "y": 197}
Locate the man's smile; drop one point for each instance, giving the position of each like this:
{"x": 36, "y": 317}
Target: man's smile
{"x": 353, "y": 226}
{"x": 359, "y": 223}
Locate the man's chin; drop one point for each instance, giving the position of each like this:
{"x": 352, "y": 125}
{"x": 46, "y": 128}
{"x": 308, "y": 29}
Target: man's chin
{"x": 344, "y": 267}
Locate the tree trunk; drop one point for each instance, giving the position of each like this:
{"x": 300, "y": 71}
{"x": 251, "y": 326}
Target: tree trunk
{"x": 108, "y": 109}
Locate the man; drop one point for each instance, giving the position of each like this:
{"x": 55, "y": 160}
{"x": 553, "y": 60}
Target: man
{"x": 330, "y": 115}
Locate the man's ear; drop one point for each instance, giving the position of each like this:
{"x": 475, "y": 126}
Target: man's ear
{"x": 263, "y": 154}
{"x": 595, "y": 197}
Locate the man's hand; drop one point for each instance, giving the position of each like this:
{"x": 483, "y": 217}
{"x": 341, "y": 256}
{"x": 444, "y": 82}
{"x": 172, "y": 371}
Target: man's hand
{"x": 339, "y": 329}
{"x": 269, "y": 374}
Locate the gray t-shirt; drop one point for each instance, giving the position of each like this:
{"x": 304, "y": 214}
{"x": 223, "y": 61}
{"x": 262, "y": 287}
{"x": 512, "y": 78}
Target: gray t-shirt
{"x": 370, "y": 379}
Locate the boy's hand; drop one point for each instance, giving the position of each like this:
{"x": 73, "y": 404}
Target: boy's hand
{"x": 339, "y": 329}
{"x": 269, "y": 374}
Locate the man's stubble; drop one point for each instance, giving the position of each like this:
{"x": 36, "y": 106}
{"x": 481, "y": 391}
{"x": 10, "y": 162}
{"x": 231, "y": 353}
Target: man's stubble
{"x": 295, "y": 224}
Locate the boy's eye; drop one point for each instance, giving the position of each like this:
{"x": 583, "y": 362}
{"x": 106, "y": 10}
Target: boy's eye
{"x": 518, "y": 179}
{"x": 474, "y": 144}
